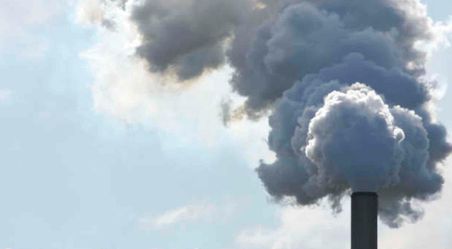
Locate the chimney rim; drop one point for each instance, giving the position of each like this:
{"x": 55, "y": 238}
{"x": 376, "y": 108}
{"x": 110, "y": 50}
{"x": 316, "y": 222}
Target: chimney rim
{"x": 365, "y": 193}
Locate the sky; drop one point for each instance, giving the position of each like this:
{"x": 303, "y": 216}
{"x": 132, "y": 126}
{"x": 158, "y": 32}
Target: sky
{"x": 80, "y": 171}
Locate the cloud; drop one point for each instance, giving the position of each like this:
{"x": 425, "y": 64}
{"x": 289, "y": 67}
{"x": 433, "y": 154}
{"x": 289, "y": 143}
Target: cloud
{"x": 23, "y": 24}
{"x": 124, "y": 89}
{"x": 5, "y": 95}
{"x": 17, "y": 17}
{"x": 90, "y": 11}
{"x": 97, "y": 12}
{"x": 307, "y": 228}
{"x": 189, "y": 214}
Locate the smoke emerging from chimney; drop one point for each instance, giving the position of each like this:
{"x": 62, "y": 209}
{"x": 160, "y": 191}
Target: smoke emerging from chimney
{"x": 344, "y": 82}
{"x": 352, "y": 105}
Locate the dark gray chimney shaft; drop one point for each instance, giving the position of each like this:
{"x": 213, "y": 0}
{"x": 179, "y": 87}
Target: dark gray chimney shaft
{"x": 364, "y": 220}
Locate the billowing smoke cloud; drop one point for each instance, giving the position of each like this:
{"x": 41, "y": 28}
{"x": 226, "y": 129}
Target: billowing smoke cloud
{"x": 332, "y": 135}
{"x": 344, "y": 82}
{"x": 352, "y": 139}
{"x": 306, "y": 36}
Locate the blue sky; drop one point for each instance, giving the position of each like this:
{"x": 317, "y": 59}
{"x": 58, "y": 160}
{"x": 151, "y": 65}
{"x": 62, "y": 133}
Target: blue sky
{"x": 75, "y": 174}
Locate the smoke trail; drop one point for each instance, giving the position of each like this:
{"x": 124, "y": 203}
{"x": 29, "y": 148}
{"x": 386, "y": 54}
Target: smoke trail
{"x": 344, "y": 82}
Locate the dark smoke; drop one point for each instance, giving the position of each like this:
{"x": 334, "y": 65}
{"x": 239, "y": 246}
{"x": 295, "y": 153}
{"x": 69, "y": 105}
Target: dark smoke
{"x": 343, "y": 81}
{"x": 306, "y": 36}
{"x": 331, "y": 134}
{"x": 186, "y": 37}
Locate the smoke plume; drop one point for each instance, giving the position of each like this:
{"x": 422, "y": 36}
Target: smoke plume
{"x": 351, "y": 110}
{"x": 344, "y": 83}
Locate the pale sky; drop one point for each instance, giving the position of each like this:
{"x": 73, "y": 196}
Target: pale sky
{"x": 138, "y": 167}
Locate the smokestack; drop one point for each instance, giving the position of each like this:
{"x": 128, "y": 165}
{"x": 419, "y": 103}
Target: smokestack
{"x": 364, "y": 220}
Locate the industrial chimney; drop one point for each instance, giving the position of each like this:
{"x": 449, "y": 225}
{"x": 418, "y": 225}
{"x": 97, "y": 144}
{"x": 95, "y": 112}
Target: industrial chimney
{"x": 364, "y": 220}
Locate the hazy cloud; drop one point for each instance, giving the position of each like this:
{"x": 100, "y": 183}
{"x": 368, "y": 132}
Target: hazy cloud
{"x": 5, "y": 95}
{"x": 18, "y": 17}
{"x": 185, "y": 214}
{"x": 201, "y": 212}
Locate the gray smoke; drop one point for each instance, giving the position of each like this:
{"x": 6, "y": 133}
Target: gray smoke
{"x": 303, "y": 37}
{"x": 332, "y": 135}
{"x": 343, "y": 81}
{"x": 186, "y": 37}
